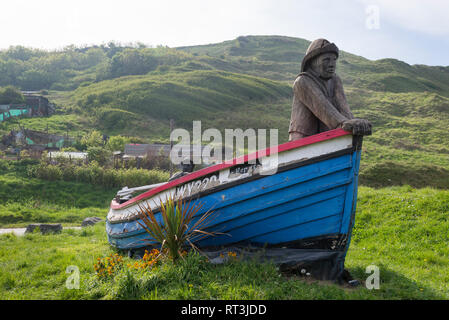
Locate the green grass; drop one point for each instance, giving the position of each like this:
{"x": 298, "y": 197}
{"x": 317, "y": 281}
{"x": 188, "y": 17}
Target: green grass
{"x": 26, "y": 200}
{"x": 143, "y": 105}
{"x": 38, "y": 267}
{"x": 20, "y": 214}
{"x": 401, "y": 230}
{"x": 78, "y": 195}
{"x": 404, "y": 231}
{"x": 57, "y": 124}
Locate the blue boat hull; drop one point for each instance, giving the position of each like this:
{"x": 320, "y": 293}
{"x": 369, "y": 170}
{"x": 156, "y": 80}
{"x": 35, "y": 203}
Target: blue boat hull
{"x": 308, "y": 204}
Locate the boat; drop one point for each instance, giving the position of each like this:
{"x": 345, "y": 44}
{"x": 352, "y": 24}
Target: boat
{"x": 306, "y": 204}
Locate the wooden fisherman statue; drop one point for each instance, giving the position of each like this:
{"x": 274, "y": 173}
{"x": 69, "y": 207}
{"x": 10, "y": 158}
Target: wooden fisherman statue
{"x": 319, "y": 102}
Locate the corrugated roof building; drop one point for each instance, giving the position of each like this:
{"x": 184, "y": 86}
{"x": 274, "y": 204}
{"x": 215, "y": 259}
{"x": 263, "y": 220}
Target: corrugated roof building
{"x": 145, "y": 150}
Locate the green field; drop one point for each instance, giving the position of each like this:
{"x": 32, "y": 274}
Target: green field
{"x": 401, "y": 230}
{"x": 26, "y": 200}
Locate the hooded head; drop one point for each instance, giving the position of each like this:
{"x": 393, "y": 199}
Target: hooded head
{"x": 315, "y": 49}
{"x": 187, "y": 165}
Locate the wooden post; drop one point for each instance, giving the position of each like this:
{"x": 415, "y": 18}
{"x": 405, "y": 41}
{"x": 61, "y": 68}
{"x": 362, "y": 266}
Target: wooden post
{"x": 172, "y": 124}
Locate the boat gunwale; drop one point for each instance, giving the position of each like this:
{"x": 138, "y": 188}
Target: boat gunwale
{"x": 324, "y": 136}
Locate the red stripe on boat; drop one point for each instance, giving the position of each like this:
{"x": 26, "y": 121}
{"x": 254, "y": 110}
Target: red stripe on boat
{"x": 240, "y": 160}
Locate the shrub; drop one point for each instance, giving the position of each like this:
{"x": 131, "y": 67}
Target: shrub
{"x": 49, "y": 172}
{"x": 5, "y": 165}
{"x": 117, "y": 143}
{"x": 178, "y": 227}
{"x": 10, "y": 95}
{"x": 158, "y": 161}
{"x": 99, "y": 154}
{"x": 94, "y": 174}
{"x": 82, "y": 174}
{"x": 24, "y": 154}
{"x": 68, "y": 173}
{"x": 92, "y": 139}
{"x": 110, "y": 178}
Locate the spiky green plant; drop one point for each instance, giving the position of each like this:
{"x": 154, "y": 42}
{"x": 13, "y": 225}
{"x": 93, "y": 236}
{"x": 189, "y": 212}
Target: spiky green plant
{"x": 177, "y": 228}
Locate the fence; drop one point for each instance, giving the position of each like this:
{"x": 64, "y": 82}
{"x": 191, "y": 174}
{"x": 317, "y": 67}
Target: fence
{"x": 13, "y": 113}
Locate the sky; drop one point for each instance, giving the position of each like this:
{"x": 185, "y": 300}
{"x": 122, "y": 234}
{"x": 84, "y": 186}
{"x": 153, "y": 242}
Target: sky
{"x": 414, "y": 31}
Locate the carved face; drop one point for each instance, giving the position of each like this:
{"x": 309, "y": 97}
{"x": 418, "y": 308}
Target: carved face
{"x": 325, "y": 65}
{"x": 187, "y": 167}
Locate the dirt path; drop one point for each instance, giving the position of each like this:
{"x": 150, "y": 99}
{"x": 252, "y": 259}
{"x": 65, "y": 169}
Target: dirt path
{"x": 21, "y": 231}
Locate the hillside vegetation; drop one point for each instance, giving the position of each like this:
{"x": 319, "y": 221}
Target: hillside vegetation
{"x": 242, "y": 83}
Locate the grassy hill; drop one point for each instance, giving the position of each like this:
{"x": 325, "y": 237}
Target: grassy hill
{"x": 246, "y": 83}
{"x": 146, "y": 103}
{"x": 278, "y": 58}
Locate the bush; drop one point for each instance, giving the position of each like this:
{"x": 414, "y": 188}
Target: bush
{"x": 156, "y": 162}
{"x": 92, "y": 139}
{"x": 5, "y": 165}
{"x": 96, "y": 175}
{"x": 99, "y": 154}
{"x": 24, "y": 154}
{"x": 117, "y": 143}
{"x": 82, "y": 174}
{"x": 9, "y": 95}
{"x": 68, "y": 173}
{"x": 48, "y": 172}
{"x": 110, "y": 178}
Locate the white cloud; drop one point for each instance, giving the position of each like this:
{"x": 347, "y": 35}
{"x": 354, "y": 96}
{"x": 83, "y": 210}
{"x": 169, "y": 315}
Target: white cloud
{"x": 427, "y": 16}
{"x": 55, "y": 23}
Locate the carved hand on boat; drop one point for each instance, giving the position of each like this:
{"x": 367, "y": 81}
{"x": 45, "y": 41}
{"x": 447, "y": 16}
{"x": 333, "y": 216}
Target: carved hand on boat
{"x": 360, "y": 127}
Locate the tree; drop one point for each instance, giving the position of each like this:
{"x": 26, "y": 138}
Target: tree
{"x": 93, "y": 57}
{"x": 117, "y": 143}
{"x": 99, "y": 154}
{"x": 9, "y": 95}
{"x": 22, "y": 53}
{"x": 92, "y": 139}
{"x": 132, "y": 62}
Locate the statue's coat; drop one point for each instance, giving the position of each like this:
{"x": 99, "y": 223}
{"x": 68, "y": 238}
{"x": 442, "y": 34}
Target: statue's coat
{"x": 318, "y": 105}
